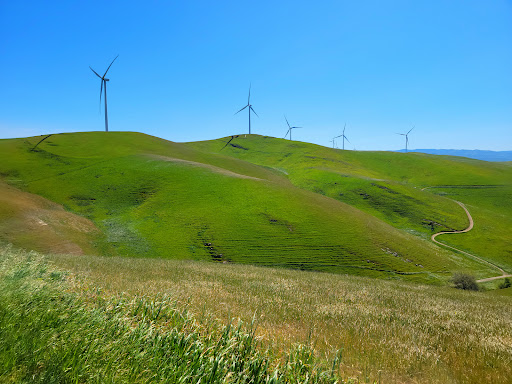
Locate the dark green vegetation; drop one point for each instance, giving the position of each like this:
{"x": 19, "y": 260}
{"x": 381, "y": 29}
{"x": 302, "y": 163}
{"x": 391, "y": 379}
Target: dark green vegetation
{"x": 265, "y": 201}
{"x": 464, "y": 281}
{"x": 49, "y": 334}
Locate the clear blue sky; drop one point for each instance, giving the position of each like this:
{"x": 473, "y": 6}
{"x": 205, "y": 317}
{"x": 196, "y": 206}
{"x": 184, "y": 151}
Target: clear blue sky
{"x": 184, "y": 69}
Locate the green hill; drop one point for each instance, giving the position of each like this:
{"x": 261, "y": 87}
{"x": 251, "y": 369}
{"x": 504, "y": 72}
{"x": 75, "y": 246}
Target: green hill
{"x": 272, "y": 202}
{"x": 395, "y": 187}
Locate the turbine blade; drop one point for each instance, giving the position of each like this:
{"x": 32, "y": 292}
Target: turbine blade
{"x": 249, "y": 97}
{"x": 242, "y": 109}
{"x": 253, "y": 111}
{"x": 287, "y": 122}
{"x": 345, "y": 126}
{"x": 110, "y": 65}
{"x": 95, "y": 72}
{"x": 287, "y": 133}
{"x": 296, "y": 127}
{"x": 403, "y": 134}
{"x": 346, "y": 138}
{"x": 411, "y": 130}
{"x": 101, "y": 90}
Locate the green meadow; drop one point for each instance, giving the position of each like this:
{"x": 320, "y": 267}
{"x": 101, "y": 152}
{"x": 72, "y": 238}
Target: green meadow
{"x": 93, "y": 319}
{"x": 404, "y": 190}
{"x": 128, "y": 258}
{"x": 289, "y": 206}
{"x": 491, "y": 208}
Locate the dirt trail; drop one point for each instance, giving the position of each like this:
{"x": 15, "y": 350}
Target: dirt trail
{"x": 207, "y": 166}
{"x": 469, "y": 228}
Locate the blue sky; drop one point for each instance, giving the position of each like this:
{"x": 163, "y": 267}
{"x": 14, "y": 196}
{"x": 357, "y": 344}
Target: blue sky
{"x": 184, "y": 69}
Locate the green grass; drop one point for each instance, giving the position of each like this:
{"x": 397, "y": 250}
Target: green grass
{"x": 154, "y": 198}
{"x": 150, "y": 206}
{"x": 50, "y": 334}
{"x": 390, "y": 186}
{"x": 380, "y": 331}
{"x": 491, "y": 208}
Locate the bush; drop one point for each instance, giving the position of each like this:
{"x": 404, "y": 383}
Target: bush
{"x": 506, "y": 284}
{"x": 464, "y": 281}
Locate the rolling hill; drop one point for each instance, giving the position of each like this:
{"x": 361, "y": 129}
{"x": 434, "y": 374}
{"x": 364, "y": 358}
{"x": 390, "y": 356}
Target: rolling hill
{"x": 263, "y": 201}
{"x": 412, "y": 191}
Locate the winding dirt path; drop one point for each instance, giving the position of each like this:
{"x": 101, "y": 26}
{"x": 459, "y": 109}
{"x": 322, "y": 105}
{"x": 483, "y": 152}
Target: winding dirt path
{"x": 469, "y": 228}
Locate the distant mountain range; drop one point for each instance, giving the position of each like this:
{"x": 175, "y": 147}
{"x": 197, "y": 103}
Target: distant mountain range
{"x": 471, "y": 153}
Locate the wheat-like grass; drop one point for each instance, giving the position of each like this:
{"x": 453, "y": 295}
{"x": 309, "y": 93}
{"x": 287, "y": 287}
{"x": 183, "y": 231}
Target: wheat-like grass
{"x": 395, "y": 331}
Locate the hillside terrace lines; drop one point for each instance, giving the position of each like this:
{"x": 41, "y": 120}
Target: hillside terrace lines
{"x": 202, "y": 165}
{"x": 168, "y": 193}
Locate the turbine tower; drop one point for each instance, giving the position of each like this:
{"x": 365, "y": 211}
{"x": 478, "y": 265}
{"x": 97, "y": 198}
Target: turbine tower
{"x": 289, "y": 129}
{"x": 344, "y": 137}
{"x": 406, "y": 138}
{"x": 104, "y": 85}
{"x": 249, "y": 109}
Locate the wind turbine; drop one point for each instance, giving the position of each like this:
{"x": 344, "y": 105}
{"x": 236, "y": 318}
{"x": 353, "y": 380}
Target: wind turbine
{"x": 344, "y": 137}
{"x": 406, "y": 138}
{"x": 104, "y": 85}
{"x": 289, "y": 129}
{"x": 249, "y": 109}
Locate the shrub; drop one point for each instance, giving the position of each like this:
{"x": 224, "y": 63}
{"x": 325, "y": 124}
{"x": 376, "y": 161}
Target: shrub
{"x": 464, "y": 281}
{"x": 506, "y": 284}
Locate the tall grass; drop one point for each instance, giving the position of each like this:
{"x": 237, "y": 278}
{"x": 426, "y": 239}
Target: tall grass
{"x": 51, "y": 334}
{"x": 396, "y": 331}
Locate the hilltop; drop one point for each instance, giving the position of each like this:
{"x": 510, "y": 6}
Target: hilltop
{"x": 260, "y": 200}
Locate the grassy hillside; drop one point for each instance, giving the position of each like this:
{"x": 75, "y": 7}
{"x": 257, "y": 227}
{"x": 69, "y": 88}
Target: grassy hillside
{"x": 154, "y": 198}
{"x": 157, "y": 314}
{"x": 53, "y": 333}
{"x": 42, "y": 225}
{"x": 390, "y": 186}
{"x": 491, "y": 208}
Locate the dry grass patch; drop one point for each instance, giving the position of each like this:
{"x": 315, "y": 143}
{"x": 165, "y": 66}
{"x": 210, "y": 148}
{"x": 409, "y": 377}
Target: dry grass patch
{"x": 31, "y": 221}
{"x": 395, "y": 331}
